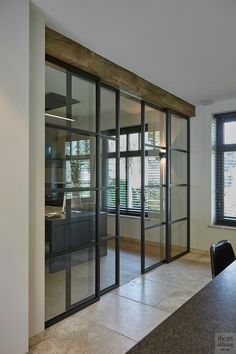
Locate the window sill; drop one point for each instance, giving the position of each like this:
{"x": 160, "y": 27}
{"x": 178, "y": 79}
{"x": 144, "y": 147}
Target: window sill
{"x": 215, "y": 226}
{"x": 125, "y": 216}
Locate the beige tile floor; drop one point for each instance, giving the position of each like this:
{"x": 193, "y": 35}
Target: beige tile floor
{"x": 124, "y": 316}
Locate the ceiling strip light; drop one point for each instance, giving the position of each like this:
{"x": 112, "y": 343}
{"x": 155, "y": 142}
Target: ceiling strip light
{"x": 59, "y": 117}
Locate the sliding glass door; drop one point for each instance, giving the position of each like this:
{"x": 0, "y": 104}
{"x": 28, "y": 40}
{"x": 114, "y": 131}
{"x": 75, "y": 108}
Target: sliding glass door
{"x": 179, "y": 194}
{"x": 116, "y": 188}
{"x": 82, "y": 191}
{"x": 153, "y": 186}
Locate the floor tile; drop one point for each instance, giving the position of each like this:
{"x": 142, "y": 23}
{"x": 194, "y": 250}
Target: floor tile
{"x": 124, "y": 316}
{"x": 174, "y": 301}
{"x": 145, "y": 291}
{"x": 77, "y": 335}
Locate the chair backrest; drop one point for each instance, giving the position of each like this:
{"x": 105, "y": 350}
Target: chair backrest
{"x": 222, "y": 254}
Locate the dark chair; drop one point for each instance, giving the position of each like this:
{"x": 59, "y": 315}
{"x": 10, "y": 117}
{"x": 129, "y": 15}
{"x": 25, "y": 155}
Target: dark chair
{"x": 222, "y": 254}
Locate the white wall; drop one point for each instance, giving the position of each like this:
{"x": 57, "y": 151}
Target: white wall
{"x": 36, "y": 172}
{"x": 202, "y": 186}
{"x": 14, "y": 147}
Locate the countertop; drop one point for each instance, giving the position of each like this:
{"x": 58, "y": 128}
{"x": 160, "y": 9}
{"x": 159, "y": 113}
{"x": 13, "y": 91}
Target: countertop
{"x": 196, "y": 327}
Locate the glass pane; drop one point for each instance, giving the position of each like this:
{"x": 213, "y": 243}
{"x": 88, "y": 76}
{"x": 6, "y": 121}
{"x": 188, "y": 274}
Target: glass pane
{"x": 155, "y": 127}
{"x": 130, "y": 248}
{"x": 108, "y": 164}
{"x": 108, "y": 213}
{"x": 70, "y": 160}
{"x": 134, "y": 183}
{"x": 154, "y": 245}
{"x": 81, "y": 168}
{"x": 83, "y": 107}
{"x": 155, "y": 166}
{"x": 111, "y": 146}
{"x": 56, "y": 141}
{"x": 178, "y": 238}
{"x": 123, "y": 187}
{"x": 55, "y": 283}
{"x": 178, "y": 132}
{"x": 178, "y": 203}
{"x": 82, "y": 274}
{"x": 108, "y": 111}
{"x": 230, "y": 184}
{"x": 155, "y": 212}
{"x": 130, "y": 112}
{"x": 178, "y": 167}
{"x": 107, "y": 264}
{"x": 230, "y": 133}
{"x": 55, "y": 95}
{"x": 134, "y": 141}
{"x": 123, "y": 142}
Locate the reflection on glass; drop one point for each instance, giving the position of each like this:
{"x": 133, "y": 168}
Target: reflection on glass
{"x": 82, "y": 274}
{"x": 55, "y": 95}
{"x": 154, "y": 245}
{"x": 108, "y": 110}
{"x": 178, "y": 203}
{"x": 55, "y": 283}
{"x": 178, "y": 238}
{"x": 229, "y": 183}
{"x": 83, "y": 107}
{"x": 178, "y": 132}
{"x": 178, "y": 167}
{"x": 155, "y": 127}
{"x": 230, "y": 133}
{"x": 107, "y": 263}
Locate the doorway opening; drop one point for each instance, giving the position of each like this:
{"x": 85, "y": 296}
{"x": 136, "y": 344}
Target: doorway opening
{"x": 116, "y": 188}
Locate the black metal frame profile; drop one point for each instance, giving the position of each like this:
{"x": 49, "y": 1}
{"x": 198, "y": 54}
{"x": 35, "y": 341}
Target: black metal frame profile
{"x": 170, "y": 185}
{"x": 144, "y": 213}
{"x": 69, "y": 129}
{"x": 221, "y": 149}
{"x": 100, "y": 188}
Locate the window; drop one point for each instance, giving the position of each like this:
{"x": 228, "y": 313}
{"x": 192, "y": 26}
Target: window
{"x": 130, "y": 172}
{"x": 78, "y": 166}
{"x": 226, "y": 169}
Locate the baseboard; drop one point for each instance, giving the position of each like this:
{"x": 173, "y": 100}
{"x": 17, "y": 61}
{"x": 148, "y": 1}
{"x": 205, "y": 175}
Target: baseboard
{"x": 36, "y": 339}
{"x": 200, "y": 252}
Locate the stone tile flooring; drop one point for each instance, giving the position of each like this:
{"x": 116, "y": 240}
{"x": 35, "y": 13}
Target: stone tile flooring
{"x": 124, "y": 316}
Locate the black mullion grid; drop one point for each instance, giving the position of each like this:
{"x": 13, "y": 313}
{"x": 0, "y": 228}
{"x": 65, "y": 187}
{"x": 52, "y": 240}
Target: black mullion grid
{"x": 168, "y": 204}
{"x": 170, "y": 112}
{"x": 188, "y": 187}
{"x": 98, "y": 182}
{"x": 142, "y": 187}
{"x": 118, "y": 187}
{"x": 68, "y": 202}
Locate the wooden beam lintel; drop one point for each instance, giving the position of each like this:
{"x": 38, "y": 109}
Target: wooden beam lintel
{"x": 73, "y": 53}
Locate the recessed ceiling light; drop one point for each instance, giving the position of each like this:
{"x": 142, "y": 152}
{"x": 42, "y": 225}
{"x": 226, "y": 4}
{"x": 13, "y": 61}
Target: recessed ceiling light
{"x": 59, "y": 117}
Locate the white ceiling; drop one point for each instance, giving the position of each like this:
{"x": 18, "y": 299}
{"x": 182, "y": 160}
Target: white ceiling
{"x": 187, "y": 47}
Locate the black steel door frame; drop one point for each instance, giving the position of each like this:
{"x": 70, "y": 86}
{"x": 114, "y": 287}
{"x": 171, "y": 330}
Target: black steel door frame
{"x": 98, "y": 135}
